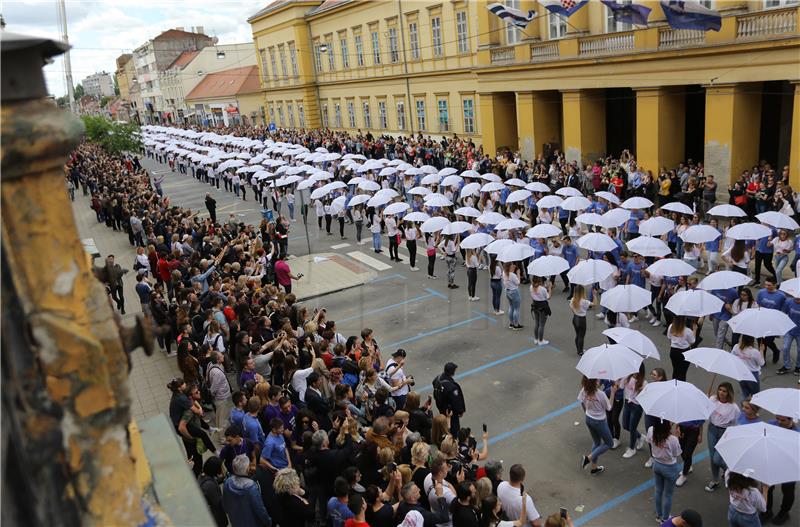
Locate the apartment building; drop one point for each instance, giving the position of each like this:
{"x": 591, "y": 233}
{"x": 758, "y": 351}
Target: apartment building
{"x": 98, "y": 85}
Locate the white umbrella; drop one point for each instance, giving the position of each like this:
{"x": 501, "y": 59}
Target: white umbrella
{"x": 780, "y": 401}
{"x": 694, "y": 303}
{"x": 437, "y": 201}
{"x": 537, "y": 186}
{"x": 656, "y": 226}
{"x": 590, "y": 272}
{"x": 670, "y": 267}
{"x": 728, "y": 211}
{"x": 648, "y": 246}
{"x": 637, "y": 202}
{"x": 396, "y": 208}
{"x": 470, "y": 189}
{"x": 625, "y": 298}
{"x": 492, "y": 187}
{"x": 778, "y": 220}
{"x": 434, "y": 224}
{"x": 609, "y": 361}
{"x": 767, "y": 453}
{"x": 515, "y": 182}
{"x": 369, "y": 186}
{"x": 575, "y": 203}
{"x": 429, "y": 169}
{"x": 635, "y": 340}
{"x": 700, "y": 234}
{"x": 430, "y": 179}
{"x": 597, "y": 242}
{"x": 761, "y": 322}
{"x": 491, "y": 218}
{"x": 447, "y": 171}
{"x": 724, "y": 280}
{"x": 336, "y": 185}
{"x": 470, "y": 174}
{"x": 590, "y": 218}
{"x": 379, "y": 200}
{"x": 616, "y": 217}
{"x": 387, "y": 171}
{"x": 413, "y": 171}
{"x": 358, "y": 200}
{"x": 548, "y": 265}
{"x": 457, "y": 227}
{"x": 543, "y": 230}
{"x": 320, "y": 192}
{"x": 498, "y": 245}
{"x": 677, "y": 206}
{"x": 337, "y": 204}
{"x": 416, "y": 216}
{"x": 419, "y": 191}
{"x": 469, "y": 212}
{"x": 721, "y": 362}
{"x": 790, "y": 287}
{"x": 515, "y": 253}
{"x": 305, "y": 184}
{"x": 748, "y": 231}
{"x": 476, "y": 241}
{"x": 451, "y": 180}
{"x": 675, "y": 401}
{"x": 518, "y": 195}
{"x": 608, "y": 196}
{"x": 568, "y": 192}
{"x": 549, "y": 202}
{"x": 491, "y": 177}
{"x": 510, "y": 224}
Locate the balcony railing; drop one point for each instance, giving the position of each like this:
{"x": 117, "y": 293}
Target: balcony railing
{"x": 678, "y": 38}
{"x": 766, "y": 23}
{"x": 544, "y": 51}
{"x": 606, "y": 44}
{"x": 502, "y": 55}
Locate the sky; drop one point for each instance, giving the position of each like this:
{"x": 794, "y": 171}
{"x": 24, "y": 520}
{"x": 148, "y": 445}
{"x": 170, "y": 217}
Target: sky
{"x": 101, "y": 30}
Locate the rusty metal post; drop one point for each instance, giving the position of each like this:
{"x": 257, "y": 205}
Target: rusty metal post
{"x": 66, "y": 402}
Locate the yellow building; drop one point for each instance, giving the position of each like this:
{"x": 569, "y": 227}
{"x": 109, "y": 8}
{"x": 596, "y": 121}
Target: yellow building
{"x": 587, "y": 85}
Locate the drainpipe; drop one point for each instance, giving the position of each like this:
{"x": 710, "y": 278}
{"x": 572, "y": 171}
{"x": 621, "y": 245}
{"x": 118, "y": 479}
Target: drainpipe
{"x": 409, "y": 113}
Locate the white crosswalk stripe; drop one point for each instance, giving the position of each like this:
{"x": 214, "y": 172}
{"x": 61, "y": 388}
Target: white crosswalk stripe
{"x": 368, "y": 260}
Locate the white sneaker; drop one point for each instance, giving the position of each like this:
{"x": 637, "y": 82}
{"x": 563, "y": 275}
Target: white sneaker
{"x": 415, "y": 268}
{"x": 656, "y": 323}
{"x": 648, "y": 463}
{"x": 640, "y": 442}
{"x": 599, "y": 316}
{"x": 544, "y": 342}
{"x": 615, "y": 444}
{"x": 629, "y": 452}
{"x": 634, "y": 318}
{"x": 536, "y": 342}
{"x": 499, "y": 312}
{"x": 681, "y": 480}
{"x": 475, "y": 298}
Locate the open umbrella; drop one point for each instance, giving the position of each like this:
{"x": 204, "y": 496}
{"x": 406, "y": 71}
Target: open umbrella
{"x": 491, "y": 218}
{"x": 721, "y": 362}
{"x": 625, "y": 298}
{"x": 790, "y": 287}
{"x": 608, "y": 196}
{"x": 431, "y": 179}
{"x": 548, "y": 265}
{"x": 590, "y": 272}
{"x": 543, "y": 230}
{"x": 498, "y": 245}
{"x": 767, "y": 453}
{"x": 515, "y": 182}
{"x": 677, "y": 206}
{"x": 387, "y": 171}
{"x": 636, "y": 202}
{"x": 379, "y": 200}
{"x": 457, "y": 227}
{"x": 656, "y": 226}
{"x": 447, "y": 171}
{"x": 615, "y": 218}
{"x": 575, "y": 203}
{"x": 780, "y": 401}
{"x": 537, "y": 186}
{"x": 648, "y": 246}
{"x": 476, "y": 241}
{"x": 596, "y": 242}
{"x": 470, "y": 212}
{"x": 470, "y": 174}
{"x": 675, "y": 401}
{"x": 358, "y": 199}
{"x": 725, "y": 280}
{"x": 492, "y": 186}
{"x": 700, "y": 234}
{"x": 549, "y": 202}
{"x": 568, "y": 192}
{"x": 590, "y": 218}
{"x": 778, "y": 220}
{"x": 761, "y": 322}
{"x": 518, "y": 195}
{"x": 434, "y": 224}
{"x": 635, "y": 340}
{"x": 510, "y": 224}
{"x": 694, "y": 303}
{"x": 451, "y": 180}
{"x": 438, "y": 201}
{"x": 415, "y": 216}
{"x": 727, "y": 211}
{"x": 748, "y": 231}
{"x": 670, "y": 267}
{"x": 470, "y": 189}
{"x": 515, "y": 253}
{"x": 396, "y": 208}
{"x": 419, "y": 191}
{"x": 609, "y": 361}
{"x": 369, "y": 186}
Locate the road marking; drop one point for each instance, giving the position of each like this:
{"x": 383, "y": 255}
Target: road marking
{"x": 534, "y": 423}
{"x": 401, "y": 277}
{"x": 368, "y": 260}
{"x": 386, "y": 308}
{"x": 340, "y": 246}
{"x": 434, "y": 332}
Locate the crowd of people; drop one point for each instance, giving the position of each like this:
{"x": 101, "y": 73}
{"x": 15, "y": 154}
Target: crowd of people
{"x": 311, "y": 425}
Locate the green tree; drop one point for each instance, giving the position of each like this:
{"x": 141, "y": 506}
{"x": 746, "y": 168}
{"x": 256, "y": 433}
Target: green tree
{"x": 78, "y": 92}
{"x": 116, "y": 85}
{"x": 105, "y": 100}
{"x": 114, "y": 138}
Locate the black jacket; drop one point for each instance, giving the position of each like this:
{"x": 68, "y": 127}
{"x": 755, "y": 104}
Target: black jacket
{"x": 321, "y": 408}
{"x": 213, "y": 496}
{"x": 451, "y": 396}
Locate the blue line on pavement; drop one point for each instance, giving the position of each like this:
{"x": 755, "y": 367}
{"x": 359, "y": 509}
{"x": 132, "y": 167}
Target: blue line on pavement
{"x": 622, "y": 498}
{"x": 437, "y": 293}
{"x": 388, "y": 277}
{"x": 536, "y": 422}
{"x": 385, "y": 308}
{"x": 432, "y": 332}
{"x": 485, "y": 316}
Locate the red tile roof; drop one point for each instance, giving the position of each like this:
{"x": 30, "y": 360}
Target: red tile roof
{"x": 183, "y": 59}
{"x": 177, "y": 33}
{"x": 227, "y": 83}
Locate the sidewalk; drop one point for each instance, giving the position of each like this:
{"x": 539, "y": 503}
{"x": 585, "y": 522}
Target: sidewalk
{"x": 327, "y": 273}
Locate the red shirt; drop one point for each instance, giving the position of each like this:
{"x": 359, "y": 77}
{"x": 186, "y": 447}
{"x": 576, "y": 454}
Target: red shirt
{"x": 282, "y": 272}
{"x": 351, "y": 522}
{"x": 229, "y": 313}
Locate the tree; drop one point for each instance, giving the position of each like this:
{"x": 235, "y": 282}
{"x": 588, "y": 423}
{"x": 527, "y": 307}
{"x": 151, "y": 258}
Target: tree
{"x": 105, "y": 100}
{"x": 79, "y": 91}
{"x": 116, "y": 85}
{"x": 113, "y": 137}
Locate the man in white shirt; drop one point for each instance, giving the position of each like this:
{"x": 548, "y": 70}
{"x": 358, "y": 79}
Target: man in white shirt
{"x": 510, "y": 495}
{"x": 439, "y": 469}
{"x": 397, "y": 378}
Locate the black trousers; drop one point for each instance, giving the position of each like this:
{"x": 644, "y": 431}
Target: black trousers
{"x": 328, "y": 219}
{"x": 579, "y": 323}
{"x": 411, "y": 245}
{"x": 341, "y": 226}
{"x": 431, "y": 263}
{"x": 766, "y": 259}
{"x": 472, "y": 279}
{"x": 613, "y": 417}
{"x": 688, "y": 441}
{"x": 393, "y": 247}
{"x": 788, "y": 496}
{"x": 679, "y": 364}
{"x": 117, "y": 296}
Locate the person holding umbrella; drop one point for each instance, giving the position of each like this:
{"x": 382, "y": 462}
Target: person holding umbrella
{"x": 595, "y": 404}
{"x": 725, "y": 414}
{"x": 787, "y": 489}
{"x": 632, "y": 411}
{"x": 511, "y": 283}
{"x": 792, "y": 309}
{"x": 681, "y": 339}
{"x": 771, "y": 298}
{"x": 745, "y": 500}
{"x": 746, "y": 350}
{"x": 666, "y": 453}
{"x": 540, "y": 308}
{"x": 579, "y": 305}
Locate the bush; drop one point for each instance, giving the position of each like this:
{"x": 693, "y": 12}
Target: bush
{"x": 114, "y": 138}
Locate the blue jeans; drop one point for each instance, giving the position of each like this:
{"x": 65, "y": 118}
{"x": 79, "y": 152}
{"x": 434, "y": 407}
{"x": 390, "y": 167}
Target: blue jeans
{"x": 513, "y": 306}
{"x": 714, "y": 435}
{"x": 376, "y": 241}
{"x": 601, "y": 437}
{"x": 665, "y": 477}
{"x": 291, "y": 210}
{"x": 787, "y": 350}
{"x": 497, "y": 289}
{"x": 751, "y": 387}
{"x": 739, "y": 519}
{"x": 780, "y": 263}
{"x": 631, "y": 414}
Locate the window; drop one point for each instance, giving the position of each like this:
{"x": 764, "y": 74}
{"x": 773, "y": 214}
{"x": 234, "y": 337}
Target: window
{"x": 325, "y": 115}
{"x": 280, "y": 114}
{"x": 413, "y": 37}
{"x": 317, "y": 58}
{"x": 331, "y": 56}
{"x": 394, "y": 55}
{"x": 767, "y": 3}
{"x": 367, "y": 117}
{"x": 290, "y": 111}
{"x": 343, "y": 49}
{"x": 613, "y": 25}
{"x": 708, "y": 3}
{"x": 271, "y": 114}
{"x": 557, "y": 24}
{"x": 462, "y": 32}
{"x": 376, "y": 48}
{"x": 272, "y": 63}
{"x": 293, "y": 58}
{"x": 351, "y": 113}
{"x": 282, "y": 54}
{"x": 383, "y": 122}
{"x": 444, "y": 118}
{"x": 301, "y": 115}
{"x": 469, "y": 116}
{"x": 359, "y": 50}
{"x": 420, "y": 114}
{"x": 337, "y": 112}
{"x": 512, "y": 33}
{"x": 262, "y": 53}
{"x": 401, "y": 115}
{"x": 436, "y": 32}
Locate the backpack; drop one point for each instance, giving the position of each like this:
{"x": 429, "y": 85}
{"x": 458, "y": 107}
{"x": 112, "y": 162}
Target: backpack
{"x": 440, "y": 393}
{"x": 385, "y": 373}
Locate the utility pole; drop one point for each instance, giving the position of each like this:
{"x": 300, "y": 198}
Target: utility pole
{"x": 62, "y": 22}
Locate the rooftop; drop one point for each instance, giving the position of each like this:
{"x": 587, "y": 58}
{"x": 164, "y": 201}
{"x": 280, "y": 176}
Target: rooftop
{"x": 178, "y": 33}
{"x": 227, "y": 83}
{"x": 326, "y": 5}
{"x": 183, "y": 59}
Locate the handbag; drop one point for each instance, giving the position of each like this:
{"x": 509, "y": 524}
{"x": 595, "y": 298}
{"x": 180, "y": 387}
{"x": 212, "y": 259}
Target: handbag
{"x": 431, "y": 251}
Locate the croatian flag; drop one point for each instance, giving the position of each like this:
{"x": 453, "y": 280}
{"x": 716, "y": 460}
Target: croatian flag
{"x": 521, "y": 19}
{"x": 690, "y": 15}
{"x": 628, "y": 13}
{"x": 563, "y": 7}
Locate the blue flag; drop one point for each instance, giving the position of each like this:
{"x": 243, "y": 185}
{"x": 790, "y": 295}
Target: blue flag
{"x": 563, "y": 7}
{"x": 628, "y": 13}
{"x": 690, "y": 15}
{"x": 521, "y": 19}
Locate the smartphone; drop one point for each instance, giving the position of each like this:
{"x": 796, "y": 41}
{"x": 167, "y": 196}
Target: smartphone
{"x": 522, "y": 490}
{"x": 392, "y": 467}
{"x": 430, "y": 399}
{"x": 484, "y": 427}
{"x": 563, "y": 513}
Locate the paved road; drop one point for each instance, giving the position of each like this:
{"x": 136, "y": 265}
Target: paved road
{"x": 524, "y": 392}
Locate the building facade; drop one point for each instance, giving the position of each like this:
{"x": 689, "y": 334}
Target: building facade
{"x": 98, "y": 85}
{"x": 125, "y": 74}
{"x": 226, "y": 98}
{"x": 587, "y": 85}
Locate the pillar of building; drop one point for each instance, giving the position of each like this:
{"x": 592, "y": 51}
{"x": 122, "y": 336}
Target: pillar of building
{"x": 794, "y": 152}
{"x": 733, "y": 125}
{"x": 584, "y": 125}
{"x": 498, "y": 121}
{"x": 660, "y": 127}
{"x": 538, "y": 121}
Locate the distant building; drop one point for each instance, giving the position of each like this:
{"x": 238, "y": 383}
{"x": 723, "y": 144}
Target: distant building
{"x": 126, "y": 78}
{"x": 227, "y": 98}
{"x": 98, "y": 85}
{"x": 89, "y": 105}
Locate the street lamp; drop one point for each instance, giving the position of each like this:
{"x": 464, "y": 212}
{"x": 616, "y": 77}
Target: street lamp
{"x": 323, "y": 48}
{"x": 220, "y": 54}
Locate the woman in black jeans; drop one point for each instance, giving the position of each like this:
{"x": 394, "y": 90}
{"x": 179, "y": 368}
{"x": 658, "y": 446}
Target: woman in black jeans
{"x": 412, "y": 234}
{"x": 496, "y": 283}
{"x": 471, "y": 261}
{"x": 430, "y": 248}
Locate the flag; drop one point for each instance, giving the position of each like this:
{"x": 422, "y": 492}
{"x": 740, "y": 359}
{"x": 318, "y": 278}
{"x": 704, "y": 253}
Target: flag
{"x": 690, "y": 15}
{"x": 513, "y": 16}
{"x": 563, "y": 7}
{"x": 628, "y": 13}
